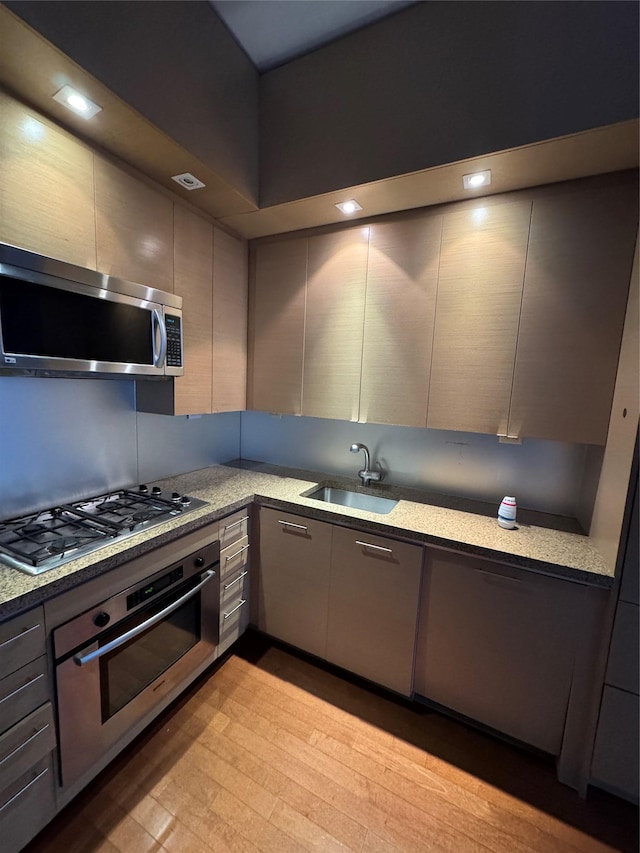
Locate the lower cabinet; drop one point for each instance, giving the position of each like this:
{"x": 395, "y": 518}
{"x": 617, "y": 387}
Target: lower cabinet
{"x": 27, "y": 731}
{"x": 498, "y": 645}
{"x": 234, "y": 578}
{"x": 343, "y": 596}
{"x": 294, "y": 579}
{"x": 373, "y": 607}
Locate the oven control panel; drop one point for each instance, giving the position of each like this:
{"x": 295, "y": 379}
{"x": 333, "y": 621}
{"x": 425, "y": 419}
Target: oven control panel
{"x": 150, "y": 589}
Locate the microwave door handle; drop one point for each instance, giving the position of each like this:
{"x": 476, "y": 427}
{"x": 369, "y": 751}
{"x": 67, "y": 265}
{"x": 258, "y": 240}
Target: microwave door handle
{"x": 158, "y": 322}
{"x": 81, "y": 660}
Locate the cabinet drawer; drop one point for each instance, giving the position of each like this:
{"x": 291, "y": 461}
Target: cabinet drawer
{"x": 22, "y": 692}
{"x": 234, "y": 618}
{"x": 234, "y": 586}
{"x": 234, "y": 557}
{"x": 21, "y": 641}
{"x": 25, "y": 744}
{"x": 27, "y": 805}
{"x": 234, "y": 527}
{"x": 622, "y": 668}
{"x": 615, "y": 757}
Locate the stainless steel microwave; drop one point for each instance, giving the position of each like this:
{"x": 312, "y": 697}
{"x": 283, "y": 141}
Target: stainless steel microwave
{"x": 60, "y": 319}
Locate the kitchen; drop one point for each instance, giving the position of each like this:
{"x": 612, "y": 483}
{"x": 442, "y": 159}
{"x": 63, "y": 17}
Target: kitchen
{"x": 116, "y": 446}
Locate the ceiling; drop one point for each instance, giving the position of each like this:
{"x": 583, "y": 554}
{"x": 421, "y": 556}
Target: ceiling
{"x": 30, "y": 65}
{"x": 275, "y": 32}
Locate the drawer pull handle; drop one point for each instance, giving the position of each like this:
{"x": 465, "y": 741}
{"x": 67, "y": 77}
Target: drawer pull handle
{"x": 24, "y": 687}
{"x": 237, "y": 554}
{"x": 24, "y": 743}
{"x": 375, "y": 547}
{"x": 20, "y": 635}
{"x": 233, "y": 583}
{"x": 237, "y": 607}
{"x": 22, "y": 790}
{"x": 236, "y": 523}
{"x": 498, "y": 576}
{"x": 291, "y": 524}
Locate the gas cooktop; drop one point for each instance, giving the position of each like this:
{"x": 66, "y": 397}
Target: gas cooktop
{"x": 41, "y": 541}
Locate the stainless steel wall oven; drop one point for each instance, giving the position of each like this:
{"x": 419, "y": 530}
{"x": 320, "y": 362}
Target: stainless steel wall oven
{"x": 120, "y": 658}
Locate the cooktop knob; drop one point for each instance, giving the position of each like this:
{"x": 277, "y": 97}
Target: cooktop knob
{"x": 156, "y": 490}
{"x": 101, "y": 619}
{"x": 175, "y": 496}
{"x": 185, "y": 501}
{"x": 199, "y": 562}
{"x": 143, "y": 489}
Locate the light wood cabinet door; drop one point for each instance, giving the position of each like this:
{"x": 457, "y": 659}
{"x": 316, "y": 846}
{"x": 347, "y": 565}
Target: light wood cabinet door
{"x": 230, "y": 305}
{"x": 402, "y": 279}
{"x": 193, "y": 265}
{"x": 277, "y": 326}
{"x": 575, "y": 292}
{"x": 336, "y": 282}
{"x": 46, "y": 188}
{"x": 293, "y": 595}
{"x": 134, "y": 228}
{"x": 498, "y": 645}
{"x": 482, "y": 265}
{"x": 373, "y": 607}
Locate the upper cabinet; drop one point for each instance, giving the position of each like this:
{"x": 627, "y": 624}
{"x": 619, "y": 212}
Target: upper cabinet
{"x": 210, "y": 269}
{"x": 229, "y": 345}
{"x": 193, "y": 272}
{"x": 575, "y": 293}
{"x": 277, "y": 326}
{"x": 134, "y": 228}
{"x": 402, "y": 279}
{"x": 46, "y": 188}
{"x": 502, "y": 316}
{"x": 336, "y": 280}
{"x": 482, "y": 263}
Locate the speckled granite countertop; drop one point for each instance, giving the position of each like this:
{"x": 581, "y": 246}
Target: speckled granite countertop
{"x": 464, "y": 525}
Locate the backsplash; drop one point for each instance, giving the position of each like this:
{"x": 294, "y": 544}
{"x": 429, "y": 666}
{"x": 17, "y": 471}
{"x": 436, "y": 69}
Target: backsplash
{"x": 543, "y": 475}
{"x": 68, "y": 439}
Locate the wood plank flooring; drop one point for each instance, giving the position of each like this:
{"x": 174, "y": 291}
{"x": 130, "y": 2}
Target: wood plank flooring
{"x": 273, "y": 752}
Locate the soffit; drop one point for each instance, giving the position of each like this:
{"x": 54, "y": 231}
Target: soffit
{"x": 32, "y": 69}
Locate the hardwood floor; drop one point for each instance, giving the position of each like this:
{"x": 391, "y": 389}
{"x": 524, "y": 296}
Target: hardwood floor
{"x": 270, "y": 751}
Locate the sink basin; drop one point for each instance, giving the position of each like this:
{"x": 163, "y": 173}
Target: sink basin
{"x": 355, "y": 500}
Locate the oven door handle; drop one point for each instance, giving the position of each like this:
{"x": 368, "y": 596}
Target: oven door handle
{"x": 81, "y": 660}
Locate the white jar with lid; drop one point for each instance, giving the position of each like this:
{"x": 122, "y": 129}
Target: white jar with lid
{"x": 507, "y": 513}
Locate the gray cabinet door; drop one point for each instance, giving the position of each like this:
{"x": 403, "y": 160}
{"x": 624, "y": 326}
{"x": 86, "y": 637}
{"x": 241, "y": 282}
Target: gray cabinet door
{"x": 373, "y": 607}
{"x": 573, "y": 306}
{"x": 498, "y": 646}
{"x": 293, "y": 594}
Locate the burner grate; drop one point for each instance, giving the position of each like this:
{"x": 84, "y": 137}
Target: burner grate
{"x": 44, "y": 540}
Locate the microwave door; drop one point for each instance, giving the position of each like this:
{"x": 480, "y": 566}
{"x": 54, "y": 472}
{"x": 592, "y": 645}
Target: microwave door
{"x": 67, "y": 326}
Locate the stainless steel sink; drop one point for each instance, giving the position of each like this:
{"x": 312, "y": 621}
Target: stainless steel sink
{"x": 355, "y": 500}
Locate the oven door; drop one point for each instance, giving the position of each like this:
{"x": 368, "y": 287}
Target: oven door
{"x": 108, "y": 685}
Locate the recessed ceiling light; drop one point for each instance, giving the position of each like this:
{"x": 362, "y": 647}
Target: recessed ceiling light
{"x": 349, "y": 207}
{"x": 76, "y": 102}
{"x": 476, "y": 180}
{"x": 188, "y": 181}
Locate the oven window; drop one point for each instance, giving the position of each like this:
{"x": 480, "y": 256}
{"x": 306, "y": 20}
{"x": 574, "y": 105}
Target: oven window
{"x": 125, "y": 672}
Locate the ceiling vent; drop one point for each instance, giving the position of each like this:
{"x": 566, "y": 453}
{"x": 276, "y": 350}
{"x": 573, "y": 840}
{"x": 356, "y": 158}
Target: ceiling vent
{"x": 188, "y": 181}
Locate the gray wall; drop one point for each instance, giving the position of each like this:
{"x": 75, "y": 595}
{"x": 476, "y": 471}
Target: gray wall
{"x": 174, "y": 62}
{"x": 440, "y": 82}
{"x": 67, "y": 439}
{"x": 543, "y": 475}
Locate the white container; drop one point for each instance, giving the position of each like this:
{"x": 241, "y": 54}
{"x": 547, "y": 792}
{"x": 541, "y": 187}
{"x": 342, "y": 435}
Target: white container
{"x": 507, "y": 513}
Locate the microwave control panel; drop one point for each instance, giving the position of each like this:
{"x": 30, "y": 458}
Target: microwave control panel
{"x": 174, "y": 340}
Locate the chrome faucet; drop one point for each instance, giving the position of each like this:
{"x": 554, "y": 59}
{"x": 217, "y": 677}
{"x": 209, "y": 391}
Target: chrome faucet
{"x": 367, "y": 474}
